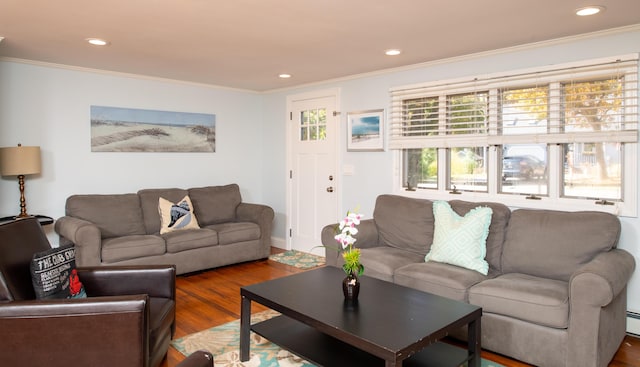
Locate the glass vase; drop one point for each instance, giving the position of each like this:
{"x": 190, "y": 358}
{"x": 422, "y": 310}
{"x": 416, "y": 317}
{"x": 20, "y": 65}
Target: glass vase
{"x": 351, "y": 287}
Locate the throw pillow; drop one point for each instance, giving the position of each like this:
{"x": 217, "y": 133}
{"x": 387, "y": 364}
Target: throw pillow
{"x": 460, "y": 240}
{"x": 54, "y": 274}
{"x": 175, "y": 216}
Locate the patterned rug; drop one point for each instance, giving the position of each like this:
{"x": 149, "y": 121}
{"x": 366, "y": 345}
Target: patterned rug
{"x": 223, "y": 342}
{"x": 298, "y": 259}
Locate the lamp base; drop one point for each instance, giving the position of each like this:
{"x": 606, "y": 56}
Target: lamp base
{"x": 23, "y": 202}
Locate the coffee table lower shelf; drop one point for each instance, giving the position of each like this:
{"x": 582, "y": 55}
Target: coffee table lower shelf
{"x": 323, "y": 350}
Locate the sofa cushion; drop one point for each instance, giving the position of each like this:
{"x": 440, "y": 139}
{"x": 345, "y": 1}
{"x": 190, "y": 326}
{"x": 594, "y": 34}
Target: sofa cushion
{"x": 176, "y": 216}
{"x": 460, "y": 240}
{"x": 115, "y": 215}
{"x": 553, "y": 244}
{"x": 382, "y": 262}
{"x": 215, "y": 204}
{"x": 497, "y": 228}
{"x": 525, "y": 297}
{"x": 404, "y": 223}
{"x": 149, "y": 199}
{"x": 132, "y": 247}
{"x": 442, "y": 279}
{"x": 178, "y": 241}
{"x": 235, "y": 232}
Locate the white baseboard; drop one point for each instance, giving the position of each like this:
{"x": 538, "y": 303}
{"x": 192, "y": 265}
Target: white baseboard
{"x": 279, "y": 242}
{"x": 633, "y": 323}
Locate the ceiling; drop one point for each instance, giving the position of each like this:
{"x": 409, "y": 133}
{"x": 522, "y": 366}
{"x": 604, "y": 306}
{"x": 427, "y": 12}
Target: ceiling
{"x": 245, "y": 44}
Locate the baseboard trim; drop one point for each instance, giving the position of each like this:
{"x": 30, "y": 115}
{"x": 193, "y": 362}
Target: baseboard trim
{"x": 279, "y": 242}
{"x": 633, "y": 323}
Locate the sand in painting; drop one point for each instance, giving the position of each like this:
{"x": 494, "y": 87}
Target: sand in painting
{"x": 140, "y": 137}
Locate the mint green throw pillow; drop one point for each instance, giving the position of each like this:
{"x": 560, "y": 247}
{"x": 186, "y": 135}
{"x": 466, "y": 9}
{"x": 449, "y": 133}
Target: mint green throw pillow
{"x": 460, "y": 241}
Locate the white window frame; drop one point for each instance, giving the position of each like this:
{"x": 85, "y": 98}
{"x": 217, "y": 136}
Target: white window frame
{"x": 626, "y": 207}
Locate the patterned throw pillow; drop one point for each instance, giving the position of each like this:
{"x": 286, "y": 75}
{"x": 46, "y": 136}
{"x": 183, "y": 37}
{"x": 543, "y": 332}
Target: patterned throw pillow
{"x": 460, "y": 240}
{"x": 54, "y": 274}
{"x": 175, "y": 216}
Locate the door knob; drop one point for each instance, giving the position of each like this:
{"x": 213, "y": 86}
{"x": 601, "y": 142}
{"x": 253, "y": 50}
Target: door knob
{"x": 329, "y": 189}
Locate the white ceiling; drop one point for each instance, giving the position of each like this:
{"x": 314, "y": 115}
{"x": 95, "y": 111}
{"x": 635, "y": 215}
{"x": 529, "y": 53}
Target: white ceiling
{"x": 246, "y": 43}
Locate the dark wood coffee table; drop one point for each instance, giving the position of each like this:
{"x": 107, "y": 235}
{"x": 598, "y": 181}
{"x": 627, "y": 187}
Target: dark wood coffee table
{"x": 389, "y": 326}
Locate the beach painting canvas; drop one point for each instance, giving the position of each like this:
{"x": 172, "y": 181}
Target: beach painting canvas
{"x": 115, "y": 129}
{"x": 365, "y": 130}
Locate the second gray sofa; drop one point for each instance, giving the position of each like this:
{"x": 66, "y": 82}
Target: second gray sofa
{"x": 556, "y": 290}
{"x": 124, "y": 229}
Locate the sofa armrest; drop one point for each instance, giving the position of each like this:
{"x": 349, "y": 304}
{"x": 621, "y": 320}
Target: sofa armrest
{"x": 263, "y": 216}
{"x": 598, "y": 305}
{"x": 256, "y": 213}
{"x": 152, "y": 280}
{"x": 367, "y": 237}
{"x": 599, "y": 281}
{"x": 75, "y": 332}
{"x": 85, "y": 236}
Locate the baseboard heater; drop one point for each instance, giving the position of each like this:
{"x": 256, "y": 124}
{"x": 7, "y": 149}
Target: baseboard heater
{"x": 633, "y": 323}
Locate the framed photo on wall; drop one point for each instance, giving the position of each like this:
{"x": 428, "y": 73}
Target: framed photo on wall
{"x": 365, "y": 131}
{"x": 117, "y": 129}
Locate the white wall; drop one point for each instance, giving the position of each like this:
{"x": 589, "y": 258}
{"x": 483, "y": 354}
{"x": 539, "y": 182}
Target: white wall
{"x": 373, "y": 170}
{"x": 49, "y": 107}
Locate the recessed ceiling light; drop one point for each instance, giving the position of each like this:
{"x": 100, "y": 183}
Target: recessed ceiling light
{"x": 284, "y": 76}
{"x": 392, "y": 52}
{"x": 589, "y": 10}
{"x": 97, "y": 41}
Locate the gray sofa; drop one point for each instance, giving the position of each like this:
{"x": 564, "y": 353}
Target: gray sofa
{"x": 124, "y": 229}
{"x": 556, "y": 290}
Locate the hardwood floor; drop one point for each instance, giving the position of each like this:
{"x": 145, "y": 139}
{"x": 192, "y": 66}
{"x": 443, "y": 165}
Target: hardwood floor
{"x": 212, "y": 298}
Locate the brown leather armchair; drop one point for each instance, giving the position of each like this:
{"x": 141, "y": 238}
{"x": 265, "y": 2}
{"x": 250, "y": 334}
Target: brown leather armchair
{"x": 127, "y": 320}
{"x": 200, "y": 358}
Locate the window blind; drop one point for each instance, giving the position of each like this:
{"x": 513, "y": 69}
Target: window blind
{"x": 594, "y": 101}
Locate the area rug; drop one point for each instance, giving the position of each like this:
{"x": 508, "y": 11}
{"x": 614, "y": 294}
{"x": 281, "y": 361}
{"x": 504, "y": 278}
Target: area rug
{"x": 298, "y": 259}
{"x": 223, "y": 342}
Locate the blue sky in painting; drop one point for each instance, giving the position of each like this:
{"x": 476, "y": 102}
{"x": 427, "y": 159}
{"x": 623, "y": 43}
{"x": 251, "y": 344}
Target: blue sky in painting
{"x": 151, "y": 116}
{"x": 365, "y": 125}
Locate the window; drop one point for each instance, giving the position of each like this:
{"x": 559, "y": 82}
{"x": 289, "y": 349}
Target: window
{"x": 313, "y": 125}
{"x": 524, "y": 169}
{"x": 420, "y": 168}
{"x": 467, "y": 170}
{"x": 557, "y": 137}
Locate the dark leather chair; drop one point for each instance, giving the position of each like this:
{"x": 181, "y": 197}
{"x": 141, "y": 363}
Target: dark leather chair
{"x": 200, "y": 358}
{"x": 127, "y": 320}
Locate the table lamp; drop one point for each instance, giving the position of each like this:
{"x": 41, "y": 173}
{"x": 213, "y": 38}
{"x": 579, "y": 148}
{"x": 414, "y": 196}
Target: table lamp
{"x": 20, "y": 161}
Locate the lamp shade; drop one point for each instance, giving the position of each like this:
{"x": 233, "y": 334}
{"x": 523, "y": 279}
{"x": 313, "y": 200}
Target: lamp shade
{"x": 15, "y": 161}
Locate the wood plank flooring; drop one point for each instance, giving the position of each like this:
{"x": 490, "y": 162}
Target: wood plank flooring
{"x": 212, "y": 298}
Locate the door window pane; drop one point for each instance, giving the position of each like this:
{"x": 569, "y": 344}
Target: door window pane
{"x": 313, "y": 124}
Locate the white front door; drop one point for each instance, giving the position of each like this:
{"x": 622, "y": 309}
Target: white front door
{"x": 313, "y": 179}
